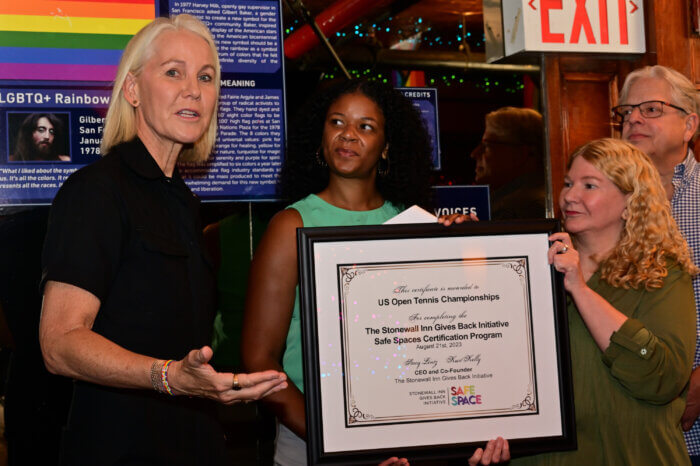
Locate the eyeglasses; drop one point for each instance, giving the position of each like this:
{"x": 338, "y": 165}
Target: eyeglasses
{"x": 648, "y": 109}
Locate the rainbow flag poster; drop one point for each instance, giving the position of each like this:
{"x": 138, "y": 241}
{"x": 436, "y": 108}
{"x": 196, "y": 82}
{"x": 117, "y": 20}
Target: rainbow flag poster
{"x": 76, "y": 40}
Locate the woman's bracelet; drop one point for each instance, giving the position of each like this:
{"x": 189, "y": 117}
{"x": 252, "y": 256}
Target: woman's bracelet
{"x": 159, "y": 376}
{"x": 155, "y": 375}
{"x": 164, "y": 377}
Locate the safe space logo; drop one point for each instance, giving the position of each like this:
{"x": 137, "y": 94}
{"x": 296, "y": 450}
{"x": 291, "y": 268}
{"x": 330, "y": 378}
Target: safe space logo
{"x": 464, "y": 395}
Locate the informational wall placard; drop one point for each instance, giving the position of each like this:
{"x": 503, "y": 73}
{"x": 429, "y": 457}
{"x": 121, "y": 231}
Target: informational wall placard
{"x": 425, "y": 99}
{"x": 58, "y": 60}
{"x": 248, "y": 154}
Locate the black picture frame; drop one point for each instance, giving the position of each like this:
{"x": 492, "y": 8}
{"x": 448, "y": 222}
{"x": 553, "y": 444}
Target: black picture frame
{"x": 315, "y": 243}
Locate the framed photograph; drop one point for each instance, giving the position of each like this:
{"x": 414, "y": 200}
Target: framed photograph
{"x": 426, "y": 341}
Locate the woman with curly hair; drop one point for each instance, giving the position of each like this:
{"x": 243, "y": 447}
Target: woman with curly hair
{"x": 403, "y": 168}
{"x": 631, "y": 310}
{"x": 357, "y": 155}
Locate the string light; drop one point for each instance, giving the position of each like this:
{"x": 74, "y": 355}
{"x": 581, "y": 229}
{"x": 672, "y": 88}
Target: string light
{"x": 420, "y": 31}
{"x": 510, "y": 84}
{"x": 414, "y": 27}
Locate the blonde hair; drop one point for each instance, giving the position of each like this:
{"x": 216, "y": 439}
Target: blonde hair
{"x": 683, "y": 92}
{"x": 120, "y": 122}
{"x": 517, "y": 126}
{"x": 650, "y": 234}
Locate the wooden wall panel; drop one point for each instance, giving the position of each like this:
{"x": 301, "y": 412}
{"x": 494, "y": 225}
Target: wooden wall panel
{"x": 695, "y": 61}
{"x": 586, "y": 102}
{"x": 553, "y": 125}
{"x": 668, "y": 31}
{"x": 669, "y": 37}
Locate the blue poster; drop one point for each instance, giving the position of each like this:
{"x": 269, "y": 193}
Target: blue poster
{"x": 46, "y": 133}
{"x": 463, "y": 200}
{"x": 425, "y": 99}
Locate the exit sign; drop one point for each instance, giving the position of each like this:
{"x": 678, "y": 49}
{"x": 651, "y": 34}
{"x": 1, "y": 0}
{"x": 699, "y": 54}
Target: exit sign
{"x": 599, "y": 26}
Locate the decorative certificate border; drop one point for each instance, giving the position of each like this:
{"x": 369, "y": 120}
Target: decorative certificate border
{"x": 524, "y": 403}
{"x": 357, "y": 406}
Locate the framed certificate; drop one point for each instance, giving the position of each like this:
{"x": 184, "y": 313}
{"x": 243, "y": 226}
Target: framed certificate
{"x": 426, "y": 341}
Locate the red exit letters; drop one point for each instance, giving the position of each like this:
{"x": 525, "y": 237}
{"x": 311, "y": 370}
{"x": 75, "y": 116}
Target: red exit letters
{"x": 581, "y": 21}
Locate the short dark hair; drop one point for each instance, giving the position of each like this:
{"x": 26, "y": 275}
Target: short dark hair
{"x": 25, "y": 148}
{"x": 408, "y": 179}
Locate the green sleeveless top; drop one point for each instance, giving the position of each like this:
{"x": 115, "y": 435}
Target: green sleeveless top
{"x": 315, "y": 212}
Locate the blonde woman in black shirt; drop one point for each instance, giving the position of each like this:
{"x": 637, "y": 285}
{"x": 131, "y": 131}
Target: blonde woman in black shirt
{"x": 129, "y": 293}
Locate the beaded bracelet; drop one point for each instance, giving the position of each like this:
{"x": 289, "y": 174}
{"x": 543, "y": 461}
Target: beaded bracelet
{"x": 156, "y": 376}
{"x": 164, "y": 377}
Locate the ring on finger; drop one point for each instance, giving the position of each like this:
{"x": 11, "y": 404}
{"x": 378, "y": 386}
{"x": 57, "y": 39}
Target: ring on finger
{"x": 236, "y": 385}
{"x": 564, "y": 249}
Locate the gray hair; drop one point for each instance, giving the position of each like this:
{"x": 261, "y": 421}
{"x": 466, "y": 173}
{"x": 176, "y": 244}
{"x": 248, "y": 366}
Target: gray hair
{"x": 683, "y": 92}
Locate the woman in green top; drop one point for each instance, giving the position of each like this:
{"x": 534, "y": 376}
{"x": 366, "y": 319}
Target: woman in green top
{"x": 631, "y": 310}
{"x": 357, "y": 155}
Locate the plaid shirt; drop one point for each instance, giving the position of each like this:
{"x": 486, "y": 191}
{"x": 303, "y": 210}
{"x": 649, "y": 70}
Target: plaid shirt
{"x": 685, "y": 206}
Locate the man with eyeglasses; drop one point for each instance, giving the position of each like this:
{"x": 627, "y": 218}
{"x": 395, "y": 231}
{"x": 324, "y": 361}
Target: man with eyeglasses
{"x": 659, "y": 114}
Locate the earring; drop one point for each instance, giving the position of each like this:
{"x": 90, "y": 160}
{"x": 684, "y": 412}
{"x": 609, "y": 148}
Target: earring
{"x": 383, "y": 166}
{"x": 319, "y": 158}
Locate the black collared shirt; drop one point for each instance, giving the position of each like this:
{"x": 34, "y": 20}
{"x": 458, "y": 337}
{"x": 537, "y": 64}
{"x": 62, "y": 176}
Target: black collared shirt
{"x": 120, "y": 229}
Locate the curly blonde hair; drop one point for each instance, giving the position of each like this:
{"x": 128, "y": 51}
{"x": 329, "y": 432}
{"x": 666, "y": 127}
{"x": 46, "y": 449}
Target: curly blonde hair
{"x": 650, "y": 234}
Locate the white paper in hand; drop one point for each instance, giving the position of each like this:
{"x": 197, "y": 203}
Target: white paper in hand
{"x": 413, "y": 214}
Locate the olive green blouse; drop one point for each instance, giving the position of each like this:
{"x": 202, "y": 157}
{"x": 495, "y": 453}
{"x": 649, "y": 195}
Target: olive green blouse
{"x": 629, "y": 399}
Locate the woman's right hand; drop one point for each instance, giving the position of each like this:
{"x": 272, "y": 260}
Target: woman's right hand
{"x": 72, "y": 349}
{"x": 194, "y": 376}
{"x": 496, "y": 451}
{"x": 448, "y": 220}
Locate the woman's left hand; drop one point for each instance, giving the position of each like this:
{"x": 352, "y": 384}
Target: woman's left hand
{"x": 496, "y": 451}
{"x": 601, "y": 318}
{"x": 448, "y": 220}
{"x": 566, "y": 260}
